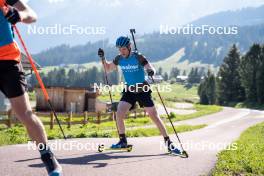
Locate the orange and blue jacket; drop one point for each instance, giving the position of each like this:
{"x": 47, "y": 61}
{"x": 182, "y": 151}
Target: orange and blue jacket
{"x": 9, "y": 49}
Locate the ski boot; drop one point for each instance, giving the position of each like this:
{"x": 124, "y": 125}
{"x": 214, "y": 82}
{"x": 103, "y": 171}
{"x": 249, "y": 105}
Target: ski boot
{"x": 51, "y": 163}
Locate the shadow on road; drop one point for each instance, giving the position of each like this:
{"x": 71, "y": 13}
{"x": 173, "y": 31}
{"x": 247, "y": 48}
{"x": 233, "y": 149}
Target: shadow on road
{"x": 93, "y": 159}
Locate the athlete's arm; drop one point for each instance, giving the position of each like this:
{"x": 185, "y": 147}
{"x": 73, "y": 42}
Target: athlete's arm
{"x": 150, "y": 69}
{"x": 108, "y": 66}
{"x": 147, "y": 65}
{"x": 25, "y": 13}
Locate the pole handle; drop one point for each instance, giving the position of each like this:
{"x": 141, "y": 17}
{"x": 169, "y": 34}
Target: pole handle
{"x": 133, "y": 31}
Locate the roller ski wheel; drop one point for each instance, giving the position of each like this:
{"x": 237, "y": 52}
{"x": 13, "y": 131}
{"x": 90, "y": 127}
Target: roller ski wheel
{"x": 102, "y": 148}
{"x": 182, "y": 154}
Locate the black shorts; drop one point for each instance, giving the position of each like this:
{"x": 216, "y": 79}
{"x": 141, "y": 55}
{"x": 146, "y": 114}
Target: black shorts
{"x": 12, "y": 79}
{"x": 144, "y": 99}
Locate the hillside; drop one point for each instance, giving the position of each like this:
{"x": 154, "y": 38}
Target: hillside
{"x": 244, "y": 17}
{"x": 175, "y": 61}
{"x": 207, "y": 49}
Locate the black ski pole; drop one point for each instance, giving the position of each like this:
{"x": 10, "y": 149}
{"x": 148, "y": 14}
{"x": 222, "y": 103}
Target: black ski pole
{"x": 133, "y": 31}
{"x": 110, "y": 94}
{"x": 169, "y": 117}
{"x": 39, "y": 80}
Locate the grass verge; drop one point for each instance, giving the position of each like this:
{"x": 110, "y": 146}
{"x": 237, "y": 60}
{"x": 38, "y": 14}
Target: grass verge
{"x": 248, "y": 159}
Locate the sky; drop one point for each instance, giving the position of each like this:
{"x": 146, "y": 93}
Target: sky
{"x": 187, "y": 10}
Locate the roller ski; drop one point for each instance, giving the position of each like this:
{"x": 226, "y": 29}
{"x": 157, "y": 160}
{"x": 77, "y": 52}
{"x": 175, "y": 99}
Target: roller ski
{"x": 120, "y": 146}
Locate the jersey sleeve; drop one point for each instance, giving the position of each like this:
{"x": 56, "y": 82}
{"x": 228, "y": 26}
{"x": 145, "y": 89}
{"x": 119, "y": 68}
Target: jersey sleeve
{"x": 142, "y": 59}
{"x": 116, "y": 60}
{"x": 11, "y": 2}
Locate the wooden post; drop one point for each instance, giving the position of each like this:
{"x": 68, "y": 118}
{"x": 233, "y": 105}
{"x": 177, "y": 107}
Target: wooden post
{"x": 85, "y": 119}
{"x": 98, "y": 117}
{"x": 9, "y": 121}
{"x": 135, "y": 111}
{"x": 51, "y": 120}
{"x": 69, "y": 119}
{"x": 111, "y": 116}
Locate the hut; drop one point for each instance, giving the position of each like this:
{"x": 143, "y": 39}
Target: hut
{"x": 76, "y": 100}
{"x": 91, "y": 99}
{"x": 56, "y": 95}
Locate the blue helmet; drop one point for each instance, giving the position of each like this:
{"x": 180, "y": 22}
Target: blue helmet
{"x": 122, "y": 42}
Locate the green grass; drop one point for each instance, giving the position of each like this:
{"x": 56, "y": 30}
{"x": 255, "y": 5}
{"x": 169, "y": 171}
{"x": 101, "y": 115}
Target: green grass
{"x": 17, "y": 134}
{"x": 146, "y": 132}
{"x": 14, "y": 135}
{"x": 178, "y": 93}
{"x": 248, "y": 159}
{"x": 32, "y": 96}
{"x": 201, "y": 110}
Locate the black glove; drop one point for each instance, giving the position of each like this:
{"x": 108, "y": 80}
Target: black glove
{"x": 13, "y": 15}
{"x": 150, "y": 72}
{"x": 101, "y": 53}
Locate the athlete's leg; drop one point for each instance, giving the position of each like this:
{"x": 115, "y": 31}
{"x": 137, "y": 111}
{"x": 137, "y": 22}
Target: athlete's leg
{"x": 21, "y": 107}
{"x": 122, "y": 110}
{"x": 153, "y": 114}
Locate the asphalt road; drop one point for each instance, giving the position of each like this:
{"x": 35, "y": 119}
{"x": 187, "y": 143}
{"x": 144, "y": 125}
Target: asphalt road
{"x": 148, "y": 157}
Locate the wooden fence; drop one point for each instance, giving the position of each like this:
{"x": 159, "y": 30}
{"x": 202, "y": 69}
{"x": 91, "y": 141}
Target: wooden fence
{"x": 70, "y": 118}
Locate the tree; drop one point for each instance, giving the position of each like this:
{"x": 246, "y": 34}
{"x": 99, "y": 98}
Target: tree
{"x": 249, "y": 72}
{"x": 166, "y": 76}
{"x": 174, "y": 73}
{"x": 194, "y": 76}
{"x": 184, "y": 73}
{"x": 211, "y": 88}
{"x": 207, "y": 89}
{"x": 230, "y": 88}
{"x": 72, "y": 74}
{"x": 260, "y": 77}
{"x": 202, "y": 93}
{"x": 61, "y": 79}
{"x": 160, "y": 71}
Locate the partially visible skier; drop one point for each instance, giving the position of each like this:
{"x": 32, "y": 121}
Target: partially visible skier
{"x": 13, "y": 82}
{"x": 133, "y": 66}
